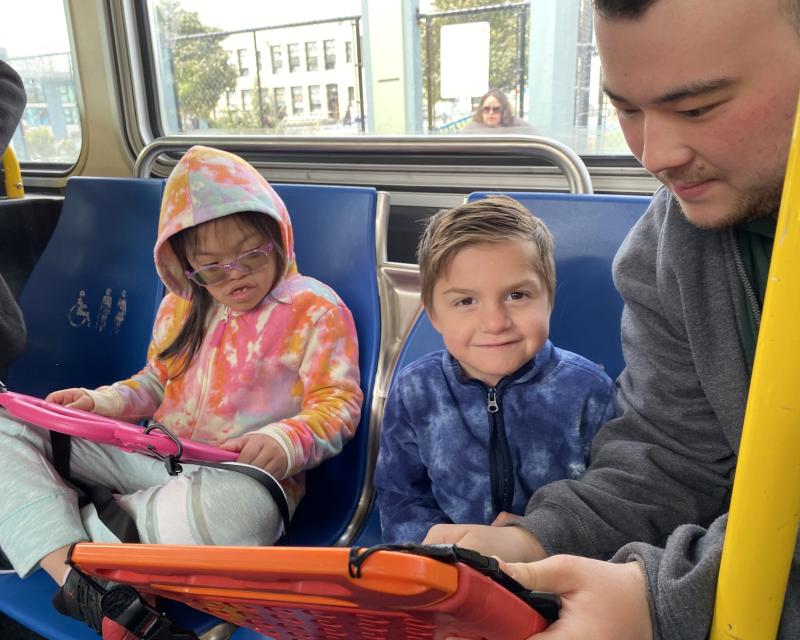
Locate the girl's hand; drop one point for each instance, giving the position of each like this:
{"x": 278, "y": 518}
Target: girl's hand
{"x": 72, "y": 398}
{"x": 261, "y": 451}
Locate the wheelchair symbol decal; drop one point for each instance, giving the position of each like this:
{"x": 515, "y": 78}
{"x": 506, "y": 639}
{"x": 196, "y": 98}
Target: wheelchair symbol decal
{"x": 80, "y": 316}
{"x": 79, "y": 313}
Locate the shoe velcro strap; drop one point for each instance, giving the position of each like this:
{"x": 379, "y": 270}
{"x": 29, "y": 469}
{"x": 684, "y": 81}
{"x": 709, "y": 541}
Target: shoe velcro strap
{"x": 125, "y": 606}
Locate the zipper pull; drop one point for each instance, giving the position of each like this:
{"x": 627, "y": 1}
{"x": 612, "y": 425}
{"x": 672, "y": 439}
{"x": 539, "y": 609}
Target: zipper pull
{"x": 219, "y": 330}
{"x": 491, "y": 401}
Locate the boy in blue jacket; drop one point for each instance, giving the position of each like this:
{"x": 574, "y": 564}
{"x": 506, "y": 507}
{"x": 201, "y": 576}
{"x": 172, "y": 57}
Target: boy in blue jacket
{"x": 471, "y": 432}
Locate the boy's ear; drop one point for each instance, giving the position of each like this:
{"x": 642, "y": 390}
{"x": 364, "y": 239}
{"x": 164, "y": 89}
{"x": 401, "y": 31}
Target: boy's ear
{"x": 432, "y": 317}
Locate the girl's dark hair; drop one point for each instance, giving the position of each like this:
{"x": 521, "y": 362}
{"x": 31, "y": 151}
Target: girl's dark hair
{"x": 190, "y": 337}
{"x": 507, "y": 115}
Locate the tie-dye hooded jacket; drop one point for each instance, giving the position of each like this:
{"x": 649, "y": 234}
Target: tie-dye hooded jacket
{"x": 454, "y": 450}
{"x": 287, "y": 368}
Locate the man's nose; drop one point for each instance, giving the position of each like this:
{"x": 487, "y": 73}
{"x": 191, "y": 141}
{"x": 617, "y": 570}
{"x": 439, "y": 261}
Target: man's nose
{"x": 665, "y": 143}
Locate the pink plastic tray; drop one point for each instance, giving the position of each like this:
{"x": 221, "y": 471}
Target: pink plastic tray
{"x": 90, "y": 426}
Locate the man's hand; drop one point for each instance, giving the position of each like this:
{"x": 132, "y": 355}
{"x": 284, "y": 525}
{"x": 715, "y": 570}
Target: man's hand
{"x": 599, "y": 600}
{"x": 504, "y": 517}
{"x": 72, "y": 398}
{"x": 512, "y": 544}
{"x": 260, "y": 450}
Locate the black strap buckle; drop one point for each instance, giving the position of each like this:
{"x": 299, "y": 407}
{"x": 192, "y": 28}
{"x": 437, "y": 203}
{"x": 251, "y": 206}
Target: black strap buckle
{"x": 171, "y": 462}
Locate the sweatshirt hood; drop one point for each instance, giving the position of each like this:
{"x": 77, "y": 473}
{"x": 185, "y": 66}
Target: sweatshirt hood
{"x": 207, "y": 184}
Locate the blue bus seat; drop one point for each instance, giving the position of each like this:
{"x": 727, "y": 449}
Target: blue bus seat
{"x": 103, "y": 240}
{"x": 334, "y": 234}
{"x": 90, "y": 301}
{"x": 587, "y": 231}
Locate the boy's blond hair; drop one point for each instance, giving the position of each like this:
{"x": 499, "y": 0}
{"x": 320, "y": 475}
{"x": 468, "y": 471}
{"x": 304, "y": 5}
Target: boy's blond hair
{"x": 495, "y": 219}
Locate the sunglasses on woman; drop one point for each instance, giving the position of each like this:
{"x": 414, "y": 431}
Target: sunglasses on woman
{"x": 492, "y": 109}
{"x": 248, "y": 262}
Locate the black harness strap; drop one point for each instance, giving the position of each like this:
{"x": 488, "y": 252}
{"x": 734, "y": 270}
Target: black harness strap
{"x": 110, "y": 513}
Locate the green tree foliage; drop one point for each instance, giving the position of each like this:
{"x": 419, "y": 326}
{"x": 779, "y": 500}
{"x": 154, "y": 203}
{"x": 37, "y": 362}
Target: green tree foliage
{"x": 202, "y": 71}
{"x": 504, "y": 43}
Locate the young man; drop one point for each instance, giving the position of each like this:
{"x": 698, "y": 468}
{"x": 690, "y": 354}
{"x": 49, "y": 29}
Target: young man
{"x": 470, "y": 432}
{"x": 706, "y": 94}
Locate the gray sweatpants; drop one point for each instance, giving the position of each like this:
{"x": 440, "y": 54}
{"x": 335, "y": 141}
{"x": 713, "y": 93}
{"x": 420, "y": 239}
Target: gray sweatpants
{"x": 39, "y": 511}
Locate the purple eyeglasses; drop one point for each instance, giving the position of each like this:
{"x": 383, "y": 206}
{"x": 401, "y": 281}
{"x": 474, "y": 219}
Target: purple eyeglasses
{"x": 248, "y": 262}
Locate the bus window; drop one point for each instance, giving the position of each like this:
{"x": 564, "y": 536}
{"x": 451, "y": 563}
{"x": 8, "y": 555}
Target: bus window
{"x": 382, "y": 67}
{"x": 33, "y": 40}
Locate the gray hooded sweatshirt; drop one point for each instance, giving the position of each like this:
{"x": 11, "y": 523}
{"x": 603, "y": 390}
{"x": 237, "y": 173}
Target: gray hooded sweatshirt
{"x": 659, "y": 484}
{"x": 12, "y": 327}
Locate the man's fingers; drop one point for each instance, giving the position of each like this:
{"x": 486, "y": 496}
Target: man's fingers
{"x": 446, "y": 534}
{"x": 555, "y": 574}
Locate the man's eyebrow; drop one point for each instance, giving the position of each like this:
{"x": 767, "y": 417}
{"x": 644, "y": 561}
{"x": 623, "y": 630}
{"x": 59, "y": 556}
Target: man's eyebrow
{"x": 692, "y": 90}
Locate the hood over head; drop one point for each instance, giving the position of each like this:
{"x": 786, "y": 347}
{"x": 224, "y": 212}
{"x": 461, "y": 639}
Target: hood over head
{"x": 207, "y": 184}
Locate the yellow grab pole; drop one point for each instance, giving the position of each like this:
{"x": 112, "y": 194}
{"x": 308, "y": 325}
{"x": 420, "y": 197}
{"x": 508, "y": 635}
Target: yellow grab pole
{"x": 765, "y": 505}
{"x": 13, "y": 174}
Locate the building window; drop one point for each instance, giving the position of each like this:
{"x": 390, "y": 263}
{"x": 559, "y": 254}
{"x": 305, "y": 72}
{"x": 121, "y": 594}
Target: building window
{"x": 34, "y": 91}
{"x": 67, "y": 93}
{"x": 297, "y": 101}
{"x": 71, "y": 115}
{"x": 230, "y": 99}
{"x": 241, "y": 59}
{"x": 277, "y": 58}
{"x": 246, "y": 99}
{"x": 351, "y": 94}
{"x": 333, "y": 101}
{"x": 314, "y": 100}
{"x": 329, "y": 47}
{"x": 294, "y": 57}
{"x": 280, "y": 101}
{"x": 312, "y": 63}
{"x": 348, "y": 52}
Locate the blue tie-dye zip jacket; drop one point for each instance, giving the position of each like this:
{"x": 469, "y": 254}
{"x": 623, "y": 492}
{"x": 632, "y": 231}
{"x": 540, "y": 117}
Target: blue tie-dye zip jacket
{"x": 454, "y": 450}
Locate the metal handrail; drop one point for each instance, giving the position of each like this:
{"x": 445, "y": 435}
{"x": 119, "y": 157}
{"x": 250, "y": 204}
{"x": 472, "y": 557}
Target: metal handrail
{"x": 534, "y": 147}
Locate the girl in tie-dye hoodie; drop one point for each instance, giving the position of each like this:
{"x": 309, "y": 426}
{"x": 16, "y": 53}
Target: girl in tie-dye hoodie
{"x": 246, "y": 354}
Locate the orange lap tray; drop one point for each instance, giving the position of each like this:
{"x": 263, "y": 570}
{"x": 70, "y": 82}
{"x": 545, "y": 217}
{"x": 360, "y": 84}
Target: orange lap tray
{"x": 300, "y": 593}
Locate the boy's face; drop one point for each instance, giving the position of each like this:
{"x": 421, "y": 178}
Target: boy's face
{"x": 222, "y": 242}
{"x": 492, "y": 309}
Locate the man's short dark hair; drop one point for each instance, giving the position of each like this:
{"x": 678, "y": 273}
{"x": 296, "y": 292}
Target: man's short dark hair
{"x": 611, "y": 9}
{"x": 632, "y": 9}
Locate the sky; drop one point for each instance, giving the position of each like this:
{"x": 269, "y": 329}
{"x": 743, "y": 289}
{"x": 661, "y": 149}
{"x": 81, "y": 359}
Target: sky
{"x": 27, "y": 34}
{"x": 246, "y": 14}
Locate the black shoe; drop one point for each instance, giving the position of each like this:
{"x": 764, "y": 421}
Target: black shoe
{"x": 79, "y": 598}
{"x": 5, "y": 565}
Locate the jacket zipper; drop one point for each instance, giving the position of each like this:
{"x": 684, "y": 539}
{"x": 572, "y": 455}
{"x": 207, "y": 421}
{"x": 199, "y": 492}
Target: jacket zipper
{"x": 501, "y": 470}
{"x": 216, "y": 339}
{"x": 749, "y": 293}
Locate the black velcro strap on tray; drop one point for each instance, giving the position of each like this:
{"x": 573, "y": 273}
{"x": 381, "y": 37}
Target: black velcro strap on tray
{"x": 126, "y": 607}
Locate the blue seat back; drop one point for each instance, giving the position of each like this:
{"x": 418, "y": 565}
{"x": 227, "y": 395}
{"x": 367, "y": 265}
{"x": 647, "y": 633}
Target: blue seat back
{"x": 103, "y": 240}
{"x": 90, "y": 301}
{"x": 334, "y": 233}
{"x": 587, "y": 230}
